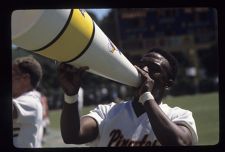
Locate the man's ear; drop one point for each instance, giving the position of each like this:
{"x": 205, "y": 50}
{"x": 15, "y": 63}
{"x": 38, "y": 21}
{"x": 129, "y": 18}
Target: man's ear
{"x": 26, "y": 75}
{"x": 28, "y": 78}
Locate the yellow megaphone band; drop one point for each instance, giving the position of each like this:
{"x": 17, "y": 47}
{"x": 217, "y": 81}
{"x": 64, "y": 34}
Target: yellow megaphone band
{"x": 73, "y": 40}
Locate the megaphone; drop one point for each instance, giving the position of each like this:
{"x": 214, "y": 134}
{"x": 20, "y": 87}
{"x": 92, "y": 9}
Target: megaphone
{"x": 70, "y": 35}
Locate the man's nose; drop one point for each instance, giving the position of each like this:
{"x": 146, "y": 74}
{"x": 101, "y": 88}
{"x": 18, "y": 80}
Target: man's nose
{"x": 145, "y": 68}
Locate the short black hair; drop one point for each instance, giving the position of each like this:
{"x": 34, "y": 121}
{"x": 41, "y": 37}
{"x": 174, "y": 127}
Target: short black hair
{"x": 171, "y": 59}
{"x": 31, "y": 66}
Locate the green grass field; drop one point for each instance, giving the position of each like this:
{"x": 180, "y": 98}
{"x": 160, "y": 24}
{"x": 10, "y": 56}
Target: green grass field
{"x": 205, "y": 109}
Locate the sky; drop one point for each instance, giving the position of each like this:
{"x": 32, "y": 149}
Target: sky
{"x": 100, "y": 13}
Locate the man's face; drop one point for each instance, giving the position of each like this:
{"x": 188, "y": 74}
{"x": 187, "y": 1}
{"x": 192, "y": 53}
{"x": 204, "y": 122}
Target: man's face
{"x": 156, "y": 66}
{"x": 18, "y": 79}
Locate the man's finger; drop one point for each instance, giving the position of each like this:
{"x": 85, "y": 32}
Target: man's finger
{"x": 65, "y": 67}
{"x": 140, "y": 70}
{"x": 82, "y": 70}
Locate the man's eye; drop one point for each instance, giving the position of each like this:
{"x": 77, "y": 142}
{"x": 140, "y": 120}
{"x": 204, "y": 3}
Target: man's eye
{"x": 154, "y": 68}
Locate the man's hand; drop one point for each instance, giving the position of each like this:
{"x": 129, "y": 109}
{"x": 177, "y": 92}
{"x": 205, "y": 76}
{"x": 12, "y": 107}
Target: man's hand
{"x": 70, "y": 78}
{"x": 146, "y": 84}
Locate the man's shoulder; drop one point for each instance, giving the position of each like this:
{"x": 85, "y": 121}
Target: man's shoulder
{"x": 166, "y": 106}
{"x": 120, "y": 104}
{"x": 174, "y": 110}
{"x": 110, "y": 107}
{"x": 31, "y": 99}
{"x": 30, "y": 95}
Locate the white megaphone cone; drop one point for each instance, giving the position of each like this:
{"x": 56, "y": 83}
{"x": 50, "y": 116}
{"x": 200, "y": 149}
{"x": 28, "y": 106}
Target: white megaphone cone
{"x": 70, "y": 35}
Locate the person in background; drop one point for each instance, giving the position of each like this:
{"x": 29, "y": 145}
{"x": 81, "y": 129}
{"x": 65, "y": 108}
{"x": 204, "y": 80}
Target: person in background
{"x": 26, "y": 102}
{"x": 144, "y": 121}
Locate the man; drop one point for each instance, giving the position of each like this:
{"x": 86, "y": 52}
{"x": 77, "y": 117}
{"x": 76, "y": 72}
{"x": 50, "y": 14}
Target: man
{"x": 26, "y": 104}
{"x": 144, "y": 121}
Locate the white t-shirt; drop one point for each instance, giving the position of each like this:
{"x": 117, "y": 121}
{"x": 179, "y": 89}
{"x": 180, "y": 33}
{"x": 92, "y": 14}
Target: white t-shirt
{"x": 119, "y": 125}
{"x": 27, "y": 128}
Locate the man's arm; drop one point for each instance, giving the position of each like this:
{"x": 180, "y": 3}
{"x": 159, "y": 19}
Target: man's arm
{"x": 166, "y": 131}
{"x": 74, "y": 130}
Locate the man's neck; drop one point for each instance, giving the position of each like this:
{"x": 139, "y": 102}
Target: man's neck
{"x": 24, "y": 90}
{"x": 138, "y": 108}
